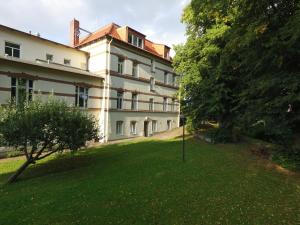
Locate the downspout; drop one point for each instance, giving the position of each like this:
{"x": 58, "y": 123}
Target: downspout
{"x": 107, "y": 90}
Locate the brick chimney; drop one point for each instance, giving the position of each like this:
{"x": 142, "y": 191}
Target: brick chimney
{"x": 74, "y": 33}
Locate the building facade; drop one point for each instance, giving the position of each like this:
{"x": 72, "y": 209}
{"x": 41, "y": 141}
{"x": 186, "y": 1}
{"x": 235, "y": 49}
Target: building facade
{"x": 115, "y": 73}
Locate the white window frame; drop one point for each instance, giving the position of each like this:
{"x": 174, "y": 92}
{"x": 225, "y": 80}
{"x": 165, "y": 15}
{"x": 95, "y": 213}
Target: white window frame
{"x": 166, "y": 78}
{"x": 165, "y": 104}
{"x": 120, "y": 101}
{"x": 67, "y": 62}
{"x": 173, "y": 79}
{"x": 135, "y": 40}
{"x": 151, "y": 104}
{"x": 81, "y": 92}
{"x": 121, "y": 65}
{"x": 152, "y": 83}
{"x": 133, "y": 127}
{"x": 173, "y": 105}
{"x": 119, "y": 127}
{"x": 153, "y": 65}
{"x": 16, "y": 87}
{"x": 134, "y": 102}
{"x": 51, "y": 56}
{"x": 12, "y": 49}
{"x": 154, "y": 126}
{"x": 169, "y": 124}
{"x": 134, "y": 69}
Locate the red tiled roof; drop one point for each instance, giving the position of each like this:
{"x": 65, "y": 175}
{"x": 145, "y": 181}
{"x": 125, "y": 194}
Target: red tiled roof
{"x": 112, "y": 30}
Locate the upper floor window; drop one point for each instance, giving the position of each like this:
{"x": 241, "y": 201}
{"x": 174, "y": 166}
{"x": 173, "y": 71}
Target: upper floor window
{"x": 49, "y": 57}
{"x": 67, "y": 62}
{"x": 81, "y": 97}
{"x": 173, "y": 79}
{"x": 166, "y": 78}
{"x": 165, "y": 104}
{"x": 119, "y": 127}
{"x": 21, "y": 90}
{"x": 134, "y": 69}
{"x": 134, "y": 102}
{"x": 151, "y": 104}
{"x": 135, "y": 40}
{"x": 12, "y": 49}
{"x": 133, "y": 127}
{"x": 152, "y": 65}
{"x": 173, "y": 105}
{"x": 152, "y": 84}
{"x": 119, "y": 100}
{"x": 120, "y": 65}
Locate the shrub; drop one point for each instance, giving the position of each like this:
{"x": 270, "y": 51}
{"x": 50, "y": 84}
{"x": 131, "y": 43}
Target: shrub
{"x": 40, "y": 129}
{"x": 219, "y": 135}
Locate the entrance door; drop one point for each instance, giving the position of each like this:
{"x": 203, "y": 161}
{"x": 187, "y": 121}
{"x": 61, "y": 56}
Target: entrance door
{"x": 146, "y": 123}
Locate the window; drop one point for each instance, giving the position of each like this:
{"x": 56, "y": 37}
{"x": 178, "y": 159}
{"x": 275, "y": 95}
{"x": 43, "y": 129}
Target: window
{"x": 67, "y": 62}
{"x": 152, "y": 84}
{"x": 135, "y": 40}
{"x": 49, "y": 57}
{"x": 21, "y": 90}
{"x": 151, "y": 104}
{"x": 166, "y": 78}
{"x": 12, "y": 49}
{"x": 133, "y": 127}
{"x": 81, "y": 97}
{"x": 154, "y": 126}
{"x": 120, "y": 65}
{"x": 134, "y": 102}
{"x": 165, "y": 104}
{"x": 169, "y": 124}
{"x": 134, "y": 69}
{"x": 119, "y": 100}
{"x": 152, "y": 65}
{"x": 119, "y": 127}
{"x": 173, "y": 80}
{"x": 140, "y": 43}
{"x": 173, "y": 105}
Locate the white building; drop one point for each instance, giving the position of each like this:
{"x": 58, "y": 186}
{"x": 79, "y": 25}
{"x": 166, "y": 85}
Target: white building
{"x": 115, "y": 73}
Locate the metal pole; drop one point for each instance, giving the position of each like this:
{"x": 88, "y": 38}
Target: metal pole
{"x": 183, "y": 143}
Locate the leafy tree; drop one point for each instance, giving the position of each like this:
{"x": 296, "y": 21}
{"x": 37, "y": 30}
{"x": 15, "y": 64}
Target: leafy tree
{"x": 40, "y": 129}
{"x": 241, "y": 65}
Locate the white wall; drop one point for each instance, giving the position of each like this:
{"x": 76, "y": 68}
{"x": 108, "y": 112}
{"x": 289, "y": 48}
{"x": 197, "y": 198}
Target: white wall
{"x": 33, "y": 48}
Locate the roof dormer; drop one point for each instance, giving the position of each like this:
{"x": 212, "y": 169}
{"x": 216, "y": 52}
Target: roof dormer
{"x": 136, "y": 38}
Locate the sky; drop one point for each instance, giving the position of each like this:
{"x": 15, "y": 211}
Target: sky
{"x": 159, "y": 20}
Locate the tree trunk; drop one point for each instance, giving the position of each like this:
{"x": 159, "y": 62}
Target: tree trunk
{"x": 19, "y": 171}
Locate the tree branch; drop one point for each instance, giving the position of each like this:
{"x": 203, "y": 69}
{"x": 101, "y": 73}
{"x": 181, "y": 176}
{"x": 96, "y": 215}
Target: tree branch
{"x": 48, "y": 154}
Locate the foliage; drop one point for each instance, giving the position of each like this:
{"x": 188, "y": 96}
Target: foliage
{"x": 40, "y": 129}
{"x": 240, "y": 66}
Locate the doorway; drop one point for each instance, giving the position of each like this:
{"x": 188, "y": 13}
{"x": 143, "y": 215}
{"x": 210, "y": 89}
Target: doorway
{"x": 146, "y": 124}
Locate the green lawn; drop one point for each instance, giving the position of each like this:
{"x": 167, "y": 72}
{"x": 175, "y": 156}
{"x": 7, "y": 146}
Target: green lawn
{"x": 146, "y": 183}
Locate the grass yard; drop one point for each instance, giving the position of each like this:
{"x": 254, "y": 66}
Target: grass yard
{"x": 145, "y": 182}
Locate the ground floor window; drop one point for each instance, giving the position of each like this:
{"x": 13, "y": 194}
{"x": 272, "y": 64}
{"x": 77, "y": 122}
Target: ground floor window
{"x": 133, "y": 127}
{"x": 119, "y": 127}
{"x": 154, "y": 126}
{"x": 169, "y": 124}
{"x": 81, "y": 97}
{"x": 21, "y": 90}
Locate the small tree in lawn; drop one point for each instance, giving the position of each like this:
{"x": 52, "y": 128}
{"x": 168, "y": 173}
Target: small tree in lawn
{"x": 40, "y": 129}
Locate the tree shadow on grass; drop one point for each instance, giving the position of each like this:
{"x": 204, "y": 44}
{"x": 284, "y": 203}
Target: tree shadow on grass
{"x": 102, "y": 156}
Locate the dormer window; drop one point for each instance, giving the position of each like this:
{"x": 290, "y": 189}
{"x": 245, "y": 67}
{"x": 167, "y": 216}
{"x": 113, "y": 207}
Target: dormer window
{"x": 135, "y": 40}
